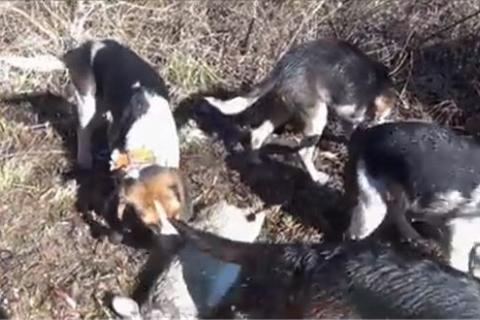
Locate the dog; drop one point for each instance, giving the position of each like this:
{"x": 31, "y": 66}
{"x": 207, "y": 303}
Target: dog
{"x": 112, "y": 82}
{"x": 312, "y": 78}
{"x": 194, "y": 283}
{"x": 436, "y": 170}
{"x": 109, "y": 77}
{"x": 351, "y": 280}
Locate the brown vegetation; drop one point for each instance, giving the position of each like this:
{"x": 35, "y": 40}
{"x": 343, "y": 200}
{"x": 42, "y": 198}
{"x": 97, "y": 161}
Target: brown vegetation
{"x": 50, "y": 264}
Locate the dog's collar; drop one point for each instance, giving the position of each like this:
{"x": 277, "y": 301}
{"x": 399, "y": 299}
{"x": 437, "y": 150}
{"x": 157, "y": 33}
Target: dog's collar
{"x": 130, "y": 159}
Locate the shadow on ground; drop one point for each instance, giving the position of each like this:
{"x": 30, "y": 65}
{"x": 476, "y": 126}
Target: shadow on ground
{"x": 3, "y": 314}
{"x": 276, "y": 176}
{"x": 95, "y": 187}
{"x": 445, "y": 77}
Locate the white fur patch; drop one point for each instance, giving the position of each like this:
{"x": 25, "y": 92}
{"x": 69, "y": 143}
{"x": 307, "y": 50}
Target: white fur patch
{"x": 156, "y": 130}
{"x": 464, "y": 234}
{"x": 232, "y": 106}
{"x": 167, "y": 227}
{"x": 315, "y": 126}
{"x": 472, "y": 206}
{"x": 127, "y": 308}
{"x": 351, "y": 112}
{"x": 86, "y": 106}
{"x": 371, "y": 209}
{"x": 346, "y": 110}
{"x": 261, "y": 133}
{"x": 94, "y": 49}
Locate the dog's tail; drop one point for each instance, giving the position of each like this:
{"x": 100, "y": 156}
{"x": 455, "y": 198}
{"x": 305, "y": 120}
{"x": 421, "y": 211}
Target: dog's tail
{"x": 242, "y": 253}
{"x": 241, "y": 103}
{"x": 40, "y": 63}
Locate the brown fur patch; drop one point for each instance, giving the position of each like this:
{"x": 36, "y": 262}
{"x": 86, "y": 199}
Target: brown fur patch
{"x": 384, "y": 104}
{"x": 165, "y": 187}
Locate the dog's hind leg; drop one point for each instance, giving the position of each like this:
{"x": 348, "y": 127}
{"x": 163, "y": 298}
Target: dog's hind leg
{"x": 315, "y": 124}
{"x": 87, "y": 119}
{"x": 371, "y": 209}
{"x": 398, "y": 215}
{"x": 79, "y": 65}
{"x": 258, "y": 136}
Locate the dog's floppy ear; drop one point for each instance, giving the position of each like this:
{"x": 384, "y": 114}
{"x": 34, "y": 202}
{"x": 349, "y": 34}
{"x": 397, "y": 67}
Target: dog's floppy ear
{"x": 126, "y": 307}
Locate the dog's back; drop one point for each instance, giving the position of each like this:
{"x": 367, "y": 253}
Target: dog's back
{"x": 339, "y": 71}
{"x": 424, "y": 158}
{"x": 352, "y": 280}
{"x": 385, "y": 283}
{"x": 115, "y": 69}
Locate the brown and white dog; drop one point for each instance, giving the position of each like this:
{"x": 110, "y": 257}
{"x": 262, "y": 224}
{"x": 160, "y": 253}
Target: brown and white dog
{"x": 111, "y": 81}
{"x": 311, "y": 79}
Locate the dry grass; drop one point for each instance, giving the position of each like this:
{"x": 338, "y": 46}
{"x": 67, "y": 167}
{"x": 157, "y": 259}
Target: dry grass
{"x": 50, "y": 265}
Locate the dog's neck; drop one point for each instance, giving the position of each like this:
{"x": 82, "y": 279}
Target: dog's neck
{"x": 131, "y": 162}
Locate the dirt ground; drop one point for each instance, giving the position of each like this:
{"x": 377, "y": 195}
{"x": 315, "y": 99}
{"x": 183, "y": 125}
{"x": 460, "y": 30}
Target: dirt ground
{"x": 53, "y": 261}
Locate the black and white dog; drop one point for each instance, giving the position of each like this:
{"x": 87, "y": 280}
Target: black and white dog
{"x": 311, "y": 79}
{"x": 438, "y": 172}
{"x": 354, "y": 280}
{"x": 112, "y": 82}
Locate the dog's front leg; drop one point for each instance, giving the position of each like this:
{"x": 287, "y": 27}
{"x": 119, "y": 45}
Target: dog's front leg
{"x": 314, "y": 127}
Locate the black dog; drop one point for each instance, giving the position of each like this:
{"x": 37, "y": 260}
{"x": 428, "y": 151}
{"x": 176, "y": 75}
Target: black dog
{"x": 364, "y": 279}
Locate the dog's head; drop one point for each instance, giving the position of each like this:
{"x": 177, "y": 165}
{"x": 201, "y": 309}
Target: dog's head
{"x": 377, "y": 111}
{"x": 153, "y": 191}
{"x": 382, "y": 107}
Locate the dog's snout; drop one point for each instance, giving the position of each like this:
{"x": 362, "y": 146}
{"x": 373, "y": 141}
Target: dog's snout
{"x": 155, "y": 228}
